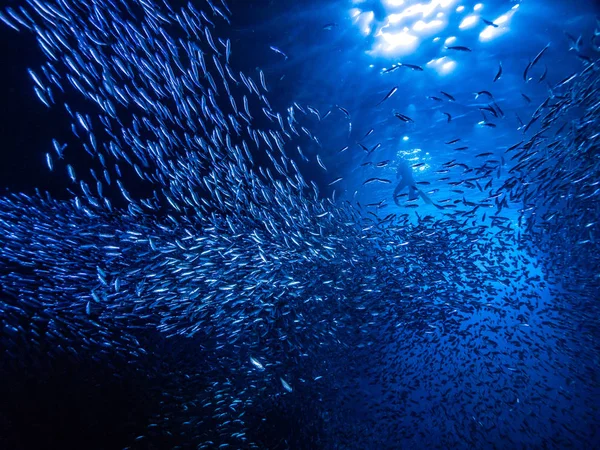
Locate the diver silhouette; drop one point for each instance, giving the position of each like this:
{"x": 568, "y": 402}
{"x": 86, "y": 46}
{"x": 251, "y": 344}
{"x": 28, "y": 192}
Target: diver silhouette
{"x": 405, "y": 173}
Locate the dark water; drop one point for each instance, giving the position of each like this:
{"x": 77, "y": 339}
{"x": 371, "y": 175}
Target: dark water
{"x": 232, "y": 291}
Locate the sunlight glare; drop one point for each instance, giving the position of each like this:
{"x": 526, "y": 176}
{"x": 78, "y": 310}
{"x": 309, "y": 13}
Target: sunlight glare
{"x": 402, "y": 41}
{"x": 393, "y": 2}
{"x": 449, "y": 41}
{"x": 407, "y": 23}
{"x": 468, "y": 22}
{"x": 443, "y": 66}
{"x": 491, "y": 32}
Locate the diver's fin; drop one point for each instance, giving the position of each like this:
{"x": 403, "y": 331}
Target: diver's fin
{"x": 397, "y": 191}
{"x": 427, "y": 200}
{"x": 413, "y": 193}
{"x": 424, "y": 196}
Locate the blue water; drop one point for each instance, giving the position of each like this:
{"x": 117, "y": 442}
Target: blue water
{"x": 439, "y": 327}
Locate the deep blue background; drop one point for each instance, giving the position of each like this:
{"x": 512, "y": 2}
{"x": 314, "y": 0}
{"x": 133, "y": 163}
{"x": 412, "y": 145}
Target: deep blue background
{"x": 327, "y": 68}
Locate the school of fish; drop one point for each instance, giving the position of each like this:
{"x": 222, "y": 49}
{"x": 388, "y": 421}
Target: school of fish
{"x": 267, "y": 314}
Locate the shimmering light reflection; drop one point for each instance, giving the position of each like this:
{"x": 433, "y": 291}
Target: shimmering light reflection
{"x": 402, "y": 42}
{"x": 393, "y": 2}
{"x": 443, "y": 65}
{"x": 491, "y": 32}
{"x": 408, "y": 22}
{"x": 363, "y": 19}
{"x": 449, "y": 41}
{"x": 469, "y": 22}
{"x": 409, "y": 154}
{"x": 424, "y": 9}
{"x": 434, "y": 25}
{"x": 447, "y": 67}
{"x": 414, "y": 156}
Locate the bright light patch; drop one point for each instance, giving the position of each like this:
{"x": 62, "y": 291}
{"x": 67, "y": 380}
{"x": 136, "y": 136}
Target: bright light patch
{"x": 449, "y": 41}
{"x": 468, "y": 22}
{"x": 394, "y": 18}
{"x": 435, "y": 39}
{"x": 491, "y": 32}
{"x": 367, "y": 17}
{"x": 409, "y": 155}
{"x": 461, "y": 8}
{"x": 434, "y": 25}
{"x": 424, "y": 9}
{"x": 405, "y": 138}
{"x": 443, "y": 66}
{"x": 364, "y": 21}
{"x": 448, "y": 67}
{"x": 393, "y": 2}
{"x": 408, "y": 22}
{"x": 401, "y": 42}
{"x": 355, "y": 12}
{"x": 488, "y": 34}
{"x": 478, "y": 7}
{"x": 420, "y": 8}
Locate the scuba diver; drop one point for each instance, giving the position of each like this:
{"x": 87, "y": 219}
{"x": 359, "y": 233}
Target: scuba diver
{"x": 405, "y": 173}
